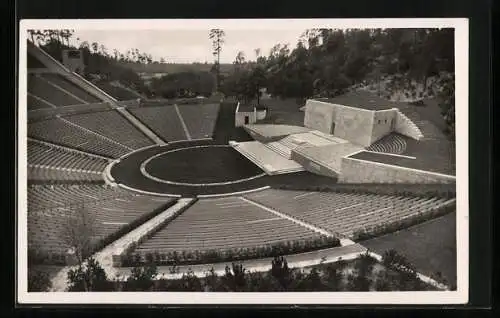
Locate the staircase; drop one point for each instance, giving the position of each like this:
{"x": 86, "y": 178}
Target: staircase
{"x": 266, "y": 159}
{"x": 405, "y": 126}
{"x": 280, "y": 149}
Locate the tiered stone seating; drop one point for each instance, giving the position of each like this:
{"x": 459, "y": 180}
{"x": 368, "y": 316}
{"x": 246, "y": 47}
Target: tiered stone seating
{"x": 200, "y": 119}
{"x": 114, "y": 126}
{"x": 343, "y": 213}
{"x": 51, "y": 196}
{"x": 119, "y": 93}
{"x": 42, "y": 154}
{"x": 34, "y": 103}
{"x": 39, "y": 87}
{"x": 110, "y": 211}
{"x": 223, "y": 223}
{"x": 54, "y": 175}
{"x": 60, "y": 132}
{"x": 392, "y": 143}
{"x": 34, "y": 63}
{"x": 65, "y": 84}
{"x": 163, "y": 120}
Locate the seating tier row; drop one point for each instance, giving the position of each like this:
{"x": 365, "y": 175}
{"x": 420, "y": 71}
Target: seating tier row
{"x": 60, "y": 132}
{"x": 46, "y": 155}
{"x": 224, "y": 223}
{"x": 344, "y": 213}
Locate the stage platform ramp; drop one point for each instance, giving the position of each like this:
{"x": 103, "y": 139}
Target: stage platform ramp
{"x": 269, "y": 161}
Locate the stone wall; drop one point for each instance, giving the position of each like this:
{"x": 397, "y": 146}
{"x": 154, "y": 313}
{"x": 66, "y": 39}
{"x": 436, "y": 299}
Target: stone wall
{"x": 313, "y": 166}
{"x": 382, "y": 123}
{"x": 354, "y": 124}
{"x": 360, "y": 171}
{"x": 319, "y": 116}
{"x": 239, "y": 119}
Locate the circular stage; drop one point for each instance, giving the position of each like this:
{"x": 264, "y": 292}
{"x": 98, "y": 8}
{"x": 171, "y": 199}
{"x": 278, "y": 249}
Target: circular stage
{"x": 200, "y": 165}
{"x": 187, "y": 168}
{"x": 198, "y": 168}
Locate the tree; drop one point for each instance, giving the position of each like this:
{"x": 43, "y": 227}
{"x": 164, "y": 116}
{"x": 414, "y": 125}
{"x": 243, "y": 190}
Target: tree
{"x": 360, "y": 279}
{"x": 79, "y": 231}
{"x": 141, "y": 278}
{"x": 257, "y": 53}
{"x": 447, "y": 104}
{"x": 38, "y": 281}
{"x": 406, "y": 273}
{"x": 258, "y": 79}
{"x": 281, "y": 272}
{"x": 239, "y": 60}
{"x": 191, "y": 282}
{"x": 212, "y": 281}
{"x": 234, "y": 278}
{"x": 334, "y": 276}
{"x": 217, "y": 37}
{"x": 31, "y": 34}
{"x": 88, "y": 277}
{"x": 95, "y": 47}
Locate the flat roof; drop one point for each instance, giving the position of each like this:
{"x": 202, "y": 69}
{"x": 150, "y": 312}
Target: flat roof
{"x": 246, "y": 108}
{"x": 314, "y": 138}
{"x": 273, "y": 131}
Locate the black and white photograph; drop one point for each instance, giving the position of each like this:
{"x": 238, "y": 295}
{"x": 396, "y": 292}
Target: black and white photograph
{"x": 297, "y": 161}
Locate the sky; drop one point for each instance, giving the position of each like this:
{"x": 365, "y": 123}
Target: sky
{"x": 187, "y": 46}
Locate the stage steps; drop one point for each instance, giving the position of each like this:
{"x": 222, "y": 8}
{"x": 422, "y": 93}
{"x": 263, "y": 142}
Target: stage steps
{"x": 268, "y": 160}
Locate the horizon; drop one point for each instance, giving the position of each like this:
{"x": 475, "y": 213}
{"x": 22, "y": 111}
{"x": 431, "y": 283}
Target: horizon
{"x": 189, "y": 46}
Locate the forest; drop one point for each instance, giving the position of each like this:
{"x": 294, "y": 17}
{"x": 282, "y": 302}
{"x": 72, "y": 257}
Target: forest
{"x": 412, "y": 64}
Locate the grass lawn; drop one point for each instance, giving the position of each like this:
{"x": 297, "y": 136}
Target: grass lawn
{"x": 283, "y": 111}
{"x": 430, "y": 246}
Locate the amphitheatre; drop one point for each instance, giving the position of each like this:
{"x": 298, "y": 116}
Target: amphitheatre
{"x": 178, "y": 180}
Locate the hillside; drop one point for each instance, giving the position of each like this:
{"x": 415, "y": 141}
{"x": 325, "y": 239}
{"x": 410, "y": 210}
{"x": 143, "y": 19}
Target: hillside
{"x": 156, "y": 67}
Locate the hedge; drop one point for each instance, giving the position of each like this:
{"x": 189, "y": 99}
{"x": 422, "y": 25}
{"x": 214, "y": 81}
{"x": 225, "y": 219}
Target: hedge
{"x": 192, "y": 257}
{"x": 381, "y": 229}
{"x": 421, "y": 190}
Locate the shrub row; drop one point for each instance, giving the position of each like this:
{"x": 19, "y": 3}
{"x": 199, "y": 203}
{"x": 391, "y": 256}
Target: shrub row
{"x": 386, "y": 228}
{"x": 227, "y": 255}
{"x": 421, "y": 190}
{"x": 37, "y": 256}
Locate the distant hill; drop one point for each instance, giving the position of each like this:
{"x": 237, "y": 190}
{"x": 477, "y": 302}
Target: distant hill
{"x": 174, "y": 68}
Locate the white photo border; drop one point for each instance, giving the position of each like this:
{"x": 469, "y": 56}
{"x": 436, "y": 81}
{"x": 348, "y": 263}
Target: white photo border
{"x": 460, "y": 296}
